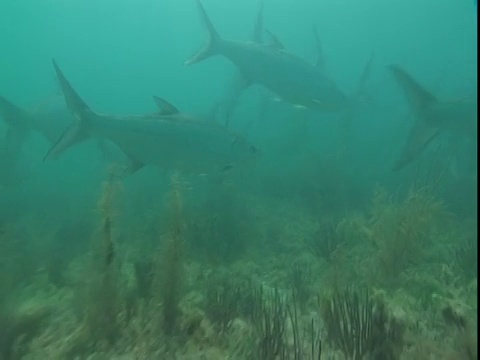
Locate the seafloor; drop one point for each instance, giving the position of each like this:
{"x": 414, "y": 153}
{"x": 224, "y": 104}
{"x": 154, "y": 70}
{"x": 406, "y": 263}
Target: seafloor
{"x": 231, "y": 275}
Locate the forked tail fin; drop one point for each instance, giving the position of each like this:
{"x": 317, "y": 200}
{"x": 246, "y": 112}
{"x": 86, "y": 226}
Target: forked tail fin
{"x": 418, "y": 97}
{"x": 19, "y": 123}
{"x": 82, "y": 114}
{"x": 423, "y": 131}
{"x": 13, "y": 115}
{"x": 213, "y": 44}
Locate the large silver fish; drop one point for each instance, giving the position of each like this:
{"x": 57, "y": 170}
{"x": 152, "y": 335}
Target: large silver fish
{"x": 226, "y": 105}
{"x": 168, "y": 139}
{"x": 458, "y": 118}
{"x": 288, "y": 76}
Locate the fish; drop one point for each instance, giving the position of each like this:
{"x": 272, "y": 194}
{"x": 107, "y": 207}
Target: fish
{"x": 432, "y": 117}
{"x": 290, "y": 77}
{"x": 168, "y": 138}
{"x": 234, "y": 88}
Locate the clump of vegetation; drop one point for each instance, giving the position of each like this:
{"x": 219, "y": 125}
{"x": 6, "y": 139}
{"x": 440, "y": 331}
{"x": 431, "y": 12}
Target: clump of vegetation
{"x": 219, "y": 230}
{"x": 103, "y": 297}
{"x": 328, "y": 238}
{"x": 402, "y": 231}
{"x": 223, "y": 303}
{"x": 464, "y": 331}
{"x": 169, "y": 273}
{"x": 228, "y": 297}
{"x": 466, "y": 254}
{"x": 300, "y": 279}
{"x": 359, "y": 326}
{"x": 144, "y": 275}
{"x": 271, "y": 328}
{"x": 18, "y": 328}
{"x": 280, "y": 331}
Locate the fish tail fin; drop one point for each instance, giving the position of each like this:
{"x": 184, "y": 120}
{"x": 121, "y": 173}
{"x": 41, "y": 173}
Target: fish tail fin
{"x": 213, "y": 44}
{"x": 79, "y": 130}
{"x": 18, "y": 121}
{"x": 12, "y": 114}
{"x": 417, "y": 96}
{"x": 422, "y": 132}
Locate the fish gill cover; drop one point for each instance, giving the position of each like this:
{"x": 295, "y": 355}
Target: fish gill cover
{"x": 306, "y": 191}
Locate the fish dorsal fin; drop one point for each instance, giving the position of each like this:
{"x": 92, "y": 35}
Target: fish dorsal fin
{"x": 258, "y": 27}
{"x": 273, "y": 41}
{"x": 320, "y": 61}
{"x": 418, "y": 97}
{"x": 164, "y": 107}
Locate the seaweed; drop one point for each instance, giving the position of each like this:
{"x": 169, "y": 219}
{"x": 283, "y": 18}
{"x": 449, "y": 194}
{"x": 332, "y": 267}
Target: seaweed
{"x": 219, "y": 232}
{"x": 169, "y": 274}
{"x": 223, "y": 302}
{"x": 103, "y": 290}
{"x": 144, "y": 274}
{"x": 18, "y": 328}
{"x": 327, "y": 239}
{"x": 358, "y": 326}
{"x": 300, "y": 279}
{"x": 402, "y": 231}
{"x": 271, "y": 328}
{"x": 227, "y": 297}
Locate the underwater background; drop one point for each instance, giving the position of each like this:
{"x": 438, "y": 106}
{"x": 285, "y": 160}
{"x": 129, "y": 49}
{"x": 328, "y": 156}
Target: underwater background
{"x": 317, "y": 251}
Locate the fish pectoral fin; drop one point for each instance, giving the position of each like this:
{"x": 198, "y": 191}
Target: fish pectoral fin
{"x": 300, "y": 107}
{"x": 164, "y": 107}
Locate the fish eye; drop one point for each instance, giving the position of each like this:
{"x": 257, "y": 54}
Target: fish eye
{"x": 253, "y": 149}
